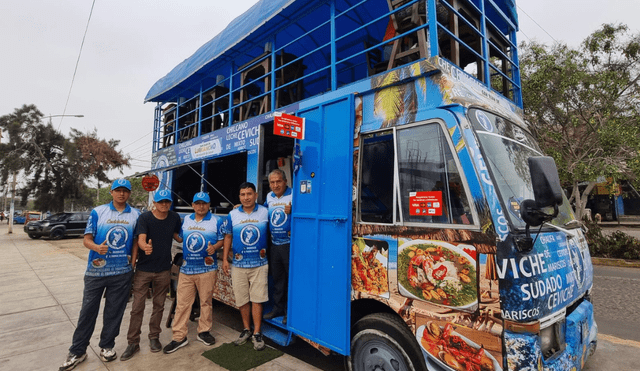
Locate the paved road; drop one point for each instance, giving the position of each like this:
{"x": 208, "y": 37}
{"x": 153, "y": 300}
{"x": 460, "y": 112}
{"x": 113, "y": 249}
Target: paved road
{"x": 616, "y": 301}
{"x": 616, "y": 298}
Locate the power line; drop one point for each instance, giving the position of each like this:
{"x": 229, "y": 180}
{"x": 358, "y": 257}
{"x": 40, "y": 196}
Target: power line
{"x": 534, "y": 21}
{"x": 77, "y": 63}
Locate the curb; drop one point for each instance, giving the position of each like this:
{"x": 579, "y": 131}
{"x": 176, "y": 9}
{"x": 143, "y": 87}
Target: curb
{"x": 616, "y": 262}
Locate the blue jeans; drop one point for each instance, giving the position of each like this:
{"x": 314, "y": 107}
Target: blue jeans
{"x": 116, "y": 297}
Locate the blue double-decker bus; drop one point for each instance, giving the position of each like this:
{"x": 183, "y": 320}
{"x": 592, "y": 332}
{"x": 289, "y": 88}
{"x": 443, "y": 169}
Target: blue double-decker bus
{"x": 428, "y": 228}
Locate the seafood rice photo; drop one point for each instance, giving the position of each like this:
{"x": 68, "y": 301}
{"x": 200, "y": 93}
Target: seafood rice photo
{"x": 454, "y": 351}
{"x": 438, "y": 272}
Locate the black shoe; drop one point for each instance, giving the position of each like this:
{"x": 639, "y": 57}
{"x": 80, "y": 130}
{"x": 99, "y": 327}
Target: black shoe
{"x": 284, "y": 320}
{"x": 155, "y": 345}
{"x": 206, "y": 338}
{"x": 175, "y": 345}
{"x": 273, "y": 314}
{"x": 72, "y": 361}
{"x": 130, "y": 351}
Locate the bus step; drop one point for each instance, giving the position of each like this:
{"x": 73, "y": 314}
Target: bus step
{"x": 274, "y": 331}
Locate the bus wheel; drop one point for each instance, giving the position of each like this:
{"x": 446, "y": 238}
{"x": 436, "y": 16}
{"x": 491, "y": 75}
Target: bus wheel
{"x": 381, "y": 341}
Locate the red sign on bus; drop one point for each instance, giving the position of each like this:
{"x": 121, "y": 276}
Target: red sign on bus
{"x": 150, "y": 183}
{"x": 288, "y": 125}
{"x": 425, "y": 203}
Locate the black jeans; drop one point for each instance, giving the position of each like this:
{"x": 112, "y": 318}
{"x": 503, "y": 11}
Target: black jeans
{"x": 279, "y": 266}
{"x": 116, "y": 297}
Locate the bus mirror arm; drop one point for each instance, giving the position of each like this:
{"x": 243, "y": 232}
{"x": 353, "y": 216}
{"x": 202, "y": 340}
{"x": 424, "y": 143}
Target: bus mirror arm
{"x": 533, "y": 216}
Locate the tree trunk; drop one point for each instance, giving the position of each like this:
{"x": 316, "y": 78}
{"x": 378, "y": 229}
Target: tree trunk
{"x": 581, "y": 198}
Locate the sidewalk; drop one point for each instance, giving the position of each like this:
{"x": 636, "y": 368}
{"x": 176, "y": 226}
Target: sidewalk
{"x": 40, "y": 299}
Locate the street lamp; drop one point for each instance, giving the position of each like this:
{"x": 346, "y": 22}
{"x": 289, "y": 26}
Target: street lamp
{"x": 13, "y": 185}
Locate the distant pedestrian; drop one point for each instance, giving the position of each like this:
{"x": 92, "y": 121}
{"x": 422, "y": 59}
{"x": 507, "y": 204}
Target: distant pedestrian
{"x": 156, "y": 231}
{"x": 110, "y": 237}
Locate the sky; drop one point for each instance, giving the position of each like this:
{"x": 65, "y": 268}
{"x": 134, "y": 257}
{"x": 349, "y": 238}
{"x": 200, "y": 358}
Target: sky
{"x": 131, "y": 44}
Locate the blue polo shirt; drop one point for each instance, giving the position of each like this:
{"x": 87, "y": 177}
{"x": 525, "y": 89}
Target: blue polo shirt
{"x": 117, "y": 228}
{"x": 249, "y": 236}
{"x": 279, "y": 221}
{"x": 195, "y": 240}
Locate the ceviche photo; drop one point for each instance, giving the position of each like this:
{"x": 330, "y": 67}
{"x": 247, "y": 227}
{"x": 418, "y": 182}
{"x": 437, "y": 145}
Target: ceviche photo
{"x": 438, "y": 272}
{"x": 368, "y": 273}
{"x": 453, "y": 351}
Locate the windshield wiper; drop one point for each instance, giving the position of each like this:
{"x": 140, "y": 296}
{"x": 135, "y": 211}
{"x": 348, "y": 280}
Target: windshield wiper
{"x": 573, "y": 223}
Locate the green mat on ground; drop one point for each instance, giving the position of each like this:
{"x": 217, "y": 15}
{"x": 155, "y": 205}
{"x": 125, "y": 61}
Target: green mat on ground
{"x": 240, "y": 358}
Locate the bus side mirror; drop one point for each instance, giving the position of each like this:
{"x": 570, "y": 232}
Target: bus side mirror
{"x": 545, "y": 181}
{"x": 547, "y": 192}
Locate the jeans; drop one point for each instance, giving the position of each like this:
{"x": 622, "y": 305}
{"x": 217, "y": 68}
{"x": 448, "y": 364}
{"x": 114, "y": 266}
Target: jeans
{"x": 116, "y": 291}
{"x": 279, "y": 266}
{"x": 161, "y": 281}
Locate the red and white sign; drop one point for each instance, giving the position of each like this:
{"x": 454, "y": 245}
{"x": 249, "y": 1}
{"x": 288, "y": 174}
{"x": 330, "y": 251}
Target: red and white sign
{"x": 150, "y": 183}
{"x": 425, "y": 203}
{"x": 288, "y": 125}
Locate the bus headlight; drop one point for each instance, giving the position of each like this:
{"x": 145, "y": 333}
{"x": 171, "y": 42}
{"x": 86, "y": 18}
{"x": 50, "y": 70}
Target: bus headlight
{"x": 552, "y": 339}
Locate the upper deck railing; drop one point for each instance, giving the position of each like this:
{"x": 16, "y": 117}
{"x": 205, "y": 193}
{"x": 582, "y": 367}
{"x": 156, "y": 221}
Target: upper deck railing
{"x": 308, "y": 47}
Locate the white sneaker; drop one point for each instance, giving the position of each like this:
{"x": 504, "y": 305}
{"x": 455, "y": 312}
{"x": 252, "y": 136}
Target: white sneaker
{"x": 72, "y": 361}
{"x": 107, "y": 354}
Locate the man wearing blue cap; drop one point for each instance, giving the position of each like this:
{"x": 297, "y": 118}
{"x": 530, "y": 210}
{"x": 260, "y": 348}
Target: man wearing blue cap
{"x": 202, "y": 236}
{"x": 155, "y": 230}
{"x": 110, "y": 237}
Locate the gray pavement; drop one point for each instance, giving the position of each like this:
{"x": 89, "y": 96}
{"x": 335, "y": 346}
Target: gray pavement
{"x": 40, "y": 298}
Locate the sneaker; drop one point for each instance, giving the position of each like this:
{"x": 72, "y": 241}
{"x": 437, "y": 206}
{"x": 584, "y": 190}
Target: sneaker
{"x": 258, "y": 343}
{"x": 72, "y": 361}
{"x": 206, "y": 338}
{"x": 175, "y": 345}
{"x": 155, "y": 345}
{"x": 130, "y": 351}
{"x": 244, "y": 336}
{"x": 107, "y": 354}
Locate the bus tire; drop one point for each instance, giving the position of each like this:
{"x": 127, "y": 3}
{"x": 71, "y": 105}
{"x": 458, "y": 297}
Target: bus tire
{"x": 382, "y": 341}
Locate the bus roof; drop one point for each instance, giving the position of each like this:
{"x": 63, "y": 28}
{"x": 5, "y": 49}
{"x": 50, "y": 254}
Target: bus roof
{"x": 254, "y": 26}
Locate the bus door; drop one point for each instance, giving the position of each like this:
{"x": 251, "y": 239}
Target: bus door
{"x": 320, "y": 258}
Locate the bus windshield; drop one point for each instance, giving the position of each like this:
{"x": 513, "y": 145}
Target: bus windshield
{"x": 506, "y": 148}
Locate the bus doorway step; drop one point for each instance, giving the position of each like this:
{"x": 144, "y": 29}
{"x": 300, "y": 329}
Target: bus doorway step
{"x": 279, "y": 335}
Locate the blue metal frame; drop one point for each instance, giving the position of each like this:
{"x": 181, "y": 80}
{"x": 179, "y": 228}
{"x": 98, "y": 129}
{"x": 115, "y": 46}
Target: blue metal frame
{"x": 363, "y": 19}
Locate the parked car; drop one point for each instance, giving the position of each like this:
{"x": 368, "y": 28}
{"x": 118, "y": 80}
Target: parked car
{"x": 58, "y": 225}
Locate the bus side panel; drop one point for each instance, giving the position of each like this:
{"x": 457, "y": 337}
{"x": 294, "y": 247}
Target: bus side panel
{"x": 320, "y": 267}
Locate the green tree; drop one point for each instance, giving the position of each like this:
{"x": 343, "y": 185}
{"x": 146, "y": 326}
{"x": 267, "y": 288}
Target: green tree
{"x": 583, "y": 106}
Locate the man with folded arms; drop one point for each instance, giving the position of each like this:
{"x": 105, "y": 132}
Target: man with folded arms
{"x": 110, "y": 237}
{"x": 156, "y": 231}
{"x": 201, "y": 236}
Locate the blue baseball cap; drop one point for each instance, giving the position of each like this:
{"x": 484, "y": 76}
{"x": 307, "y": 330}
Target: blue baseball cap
{"x": 201, "y": 196}
{"x": 162, "y": 195}
{"x": 121, "y": 183}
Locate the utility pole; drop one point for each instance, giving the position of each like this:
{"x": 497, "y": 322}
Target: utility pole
{"x": 13, "y": 196}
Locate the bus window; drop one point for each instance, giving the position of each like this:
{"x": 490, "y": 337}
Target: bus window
{"x": 376, "y": 184}
{"x": 427, "y": 169}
